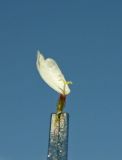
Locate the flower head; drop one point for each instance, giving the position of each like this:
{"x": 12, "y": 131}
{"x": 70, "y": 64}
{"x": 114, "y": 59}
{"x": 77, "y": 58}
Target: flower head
{"x": 51, "y": 74}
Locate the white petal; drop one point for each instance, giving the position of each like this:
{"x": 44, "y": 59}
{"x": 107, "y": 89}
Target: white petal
{"x": 51, "y": 74}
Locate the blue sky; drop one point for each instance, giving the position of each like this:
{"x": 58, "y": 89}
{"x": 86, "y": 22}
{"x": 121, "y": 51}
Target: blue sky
{"x": 85, "y": 38}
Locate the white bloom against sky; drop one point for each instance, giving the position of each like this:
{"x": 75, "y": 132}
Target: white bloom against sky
{"x": 51, "y": 74}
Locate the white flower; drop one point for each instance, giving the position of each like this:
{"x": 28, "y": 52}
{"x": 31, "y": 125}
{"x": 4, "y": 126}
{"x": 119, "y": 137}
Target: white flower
{"x": 51, "y": 74}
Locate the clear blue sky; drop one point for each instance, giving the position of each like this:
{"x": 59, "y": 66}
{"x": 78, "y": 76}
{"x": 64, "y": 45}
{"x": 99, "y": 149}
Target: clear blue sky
{"x": 85, "y": 38}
